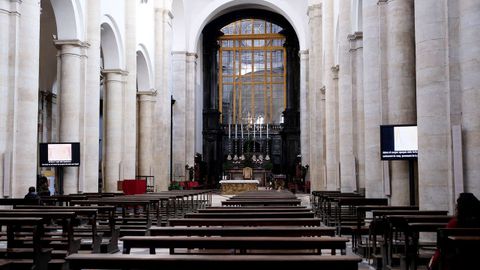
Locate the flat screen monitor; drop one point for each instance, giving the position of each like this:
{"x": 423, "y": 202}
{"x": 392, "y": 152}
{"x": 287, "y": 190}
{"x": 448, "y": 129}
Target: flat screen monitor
{"x": 398, "y": 142}
{"x": 59, "y": 154}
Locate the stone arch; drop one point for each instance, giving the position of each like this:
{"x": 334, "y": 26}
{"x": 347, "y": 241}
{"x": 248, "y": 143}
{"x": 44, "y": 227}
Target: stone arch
{"x": 69, "y": 18}
{"x": 144, "y": 69}
{"x": 111, "y": 44}
{"x": 221, "y": 7}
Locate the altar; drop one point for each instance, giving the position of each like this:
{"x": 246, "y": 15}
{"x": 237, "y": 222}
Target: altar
{"x": 237, "y": 186}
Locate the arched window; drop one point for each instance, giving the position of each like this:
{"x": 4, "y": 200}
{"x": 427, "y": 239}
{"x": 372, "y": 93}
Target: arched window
{"x": 252, "y": 81}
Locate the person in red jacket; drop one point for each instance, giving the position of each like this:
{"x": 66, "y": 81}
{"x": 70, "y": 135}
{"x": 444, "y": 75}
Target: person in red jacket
{"x": 467, "y": 216}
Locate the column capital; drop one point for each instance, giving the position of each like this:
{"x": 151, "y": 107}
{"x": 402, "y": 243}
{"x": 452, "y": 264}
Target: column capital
{"x": 355, "y": 40}
{"x": 335, "y": 70}
{"x": 150, "y": 92}
{"x": 303, "y": 53}
{"x": 192, "y": 54}
{"x": 115, "y": 71}
{"x": 355, "y": 36}
{"x": 164, "y": 11}
{"x": 147, "y": 95}
{"x": 71, "y": 42}
{"x": 382, "y": 2}
{"x": 315, "y": 11}
{"x": 322, "y": 90}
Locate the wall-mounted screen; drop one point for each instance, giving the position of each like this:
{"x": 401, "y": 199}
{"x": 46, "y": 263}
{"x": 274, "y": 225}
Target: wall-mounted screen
{"x": 59, "y": 154}
{"x": 398, "y": 142}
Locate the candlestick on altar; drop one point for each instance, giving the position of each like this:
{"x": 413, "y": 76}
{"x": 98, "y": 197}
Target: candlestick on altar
{"x": 253, "y": 130}
{"x": 241, "y": 129}
{"x": 229, "y": 131}
{"x": 267, "y": 131}
{"x": 235, "y": 131}
{"x": 260, "y": 130}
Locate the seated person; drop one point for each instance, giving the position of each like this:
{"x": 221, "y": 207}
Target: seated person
{"x": 32, "y": 195}
{"x": 467, "y": 216}
{"x": 43, "y": 187}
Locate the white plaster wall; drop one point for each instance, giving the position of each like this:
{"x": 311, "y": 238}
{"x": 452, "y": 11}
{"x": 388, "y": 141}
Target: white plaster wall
{"x": 146, "y": 32}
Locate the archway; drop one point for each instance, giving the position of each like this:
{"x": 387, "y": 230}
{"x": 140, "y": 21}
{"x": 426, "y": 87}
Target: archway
{"x": 251, "y": 85}
{"x": 111, "y": 127}
{"x": 61, "y": 25}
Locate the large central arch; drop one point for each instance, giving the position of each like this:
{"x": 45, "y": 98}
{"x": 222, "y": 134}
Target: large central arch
{"x": 294, "y": 15}
{"x": 285, "y": 141}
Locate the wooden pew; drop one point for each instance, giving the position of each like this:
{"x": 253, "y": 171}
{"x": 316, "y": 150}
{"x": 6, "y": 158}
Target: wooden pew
{"x": 253, "y": 209}
{"x": 66, "y": 243}
{"x": 242, "y": 244}
{"x": 242, "y": 231}
{"x": 459, "y": 247}
{"x": 363, "y": 222}
{"x": 309, "y": 222}
{"x": 400, "y": 223}
{"x": 249, "y": 215}
{"x": 211, "y": 262}
{"x": 259, "y": 202}
{"x": 36, "y": 257}
{"x": 86, "y": 214}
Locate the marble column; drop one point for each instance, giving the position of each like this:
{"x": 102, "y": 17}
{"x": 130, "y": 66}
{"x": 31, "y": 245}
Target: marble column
{"x": 70, "y": 53}
{"x": 372, "y": 99}
{"x": 433, "y": 113}
{"x": 9, "y": 17}
{"x": 179, "y": 115}
{"x": 356, "y": 51}
{"x": 91, "y": 148}
{"x": 401, "y": 84}
{"x": 130, "y": 96}
{"x": 316, "y": 108}
{"x": 347, "y": 159}
{"x": 469, "y": 52}
{"x": 163, "y": 28}
{"x": 146, "y": 104}
{"x": 190, "y": 108}
{"x": 336, "y": 137}
{"x": 304, "y": 122}
{"x": 331, "y": 121}
{"x": 113, "y": 127}
{"x": 24, "y": 147}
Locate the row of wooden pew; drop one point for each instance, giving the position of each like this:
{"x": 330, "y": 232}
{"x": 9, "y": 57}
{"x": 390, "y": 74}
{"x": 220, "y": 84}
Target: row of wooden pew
{"x": 389, "y": 236}
{"x": 39, "y": 234}
{"x": 250, "y": 231}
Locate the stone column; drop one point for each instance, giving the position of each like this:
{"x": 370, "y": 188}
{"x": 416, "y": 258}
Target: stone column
{"x": 130, "y": 97}
{"x": 336, "y": 137}
{"x": 9, "y": 17}
{"x": 316, "y": 108}
{"x": 113, "y": 127}
{"x": 190, "y": 108}
{"x": 163, "y": 28}
{"x": 70, "y": 53}
{"x": 179, "y": 115}
{"x": 372, "y": 99}
{"x": 469, "y": 52}
{"x": 356, "y": 51}
{"x": 91, "y": 131}
{"x": 304, "y": 127}
{"x": 146, "y": 103}
{"x": 24, "y": 156}
{"x": 347, "y": 158}
{"x": 433, "y": 91}
{"x": 401, "y": 84}
{"x": 331, "y": 121}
